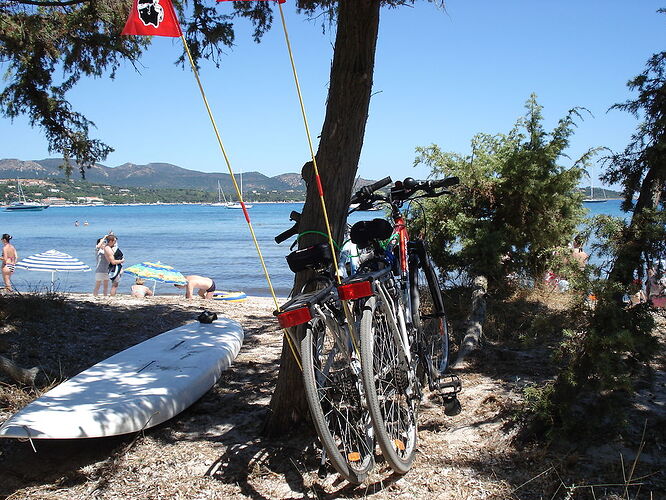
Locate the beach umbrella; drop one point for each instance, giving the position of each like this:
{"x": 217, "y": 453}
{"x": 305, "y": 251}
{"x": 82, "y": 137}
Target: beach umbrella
{"x": 156, "y": 271}
{"x": 52, "y": 261}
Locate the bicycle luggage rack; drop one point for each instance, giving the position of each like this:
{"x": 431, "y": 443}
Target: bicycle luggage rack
{"x": 361, "y": 285}
{"x": 299, "y": 309}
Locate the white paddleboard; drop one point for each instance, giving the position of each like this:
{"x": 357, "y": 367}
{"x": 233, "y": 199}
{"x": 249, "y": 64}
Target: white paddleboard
{"x": 135, "y": 389}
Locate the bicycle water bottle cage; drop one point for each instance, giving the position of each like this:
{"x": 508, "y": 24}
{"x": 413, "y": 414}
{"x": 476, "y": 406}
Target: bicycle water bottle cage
{"x": 366, "y": 231}
{"x": 314, "y": 257}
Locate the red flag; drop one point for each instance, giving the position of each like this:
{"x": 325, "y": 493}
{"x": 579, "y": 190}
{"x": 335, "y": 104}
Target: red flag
{"x": 152, "y": 17}
{"x": 280, "y": 1}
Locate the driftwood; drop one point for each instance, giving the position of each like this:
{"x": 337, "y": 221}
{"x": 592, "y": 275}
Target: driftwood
{"x": 17, "y": 373}
{"x": 474, "y": 323}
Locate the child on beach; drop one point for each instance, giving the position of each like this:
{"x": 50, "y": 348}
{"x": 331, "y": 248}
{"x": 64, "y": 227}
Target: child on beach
{"x": 140, "y": 290}
{"x": 9, "y": 258}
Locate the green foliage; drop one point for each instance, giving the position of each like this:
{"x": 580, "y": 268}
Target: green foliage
{"x": 514, "y": 199}
{"x": 606, "y": 351}
{"x": 601, "y": 359}
{"x": 641, "y": 169}
{"x": 647, "y": 146}
{"x": 538, "y": 404}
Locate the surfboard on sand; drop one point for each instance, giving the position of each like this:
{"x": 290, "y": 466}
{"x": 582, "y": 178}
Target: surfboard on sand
{"x": 230, "y": 296}
{"x": 135, "y": 389}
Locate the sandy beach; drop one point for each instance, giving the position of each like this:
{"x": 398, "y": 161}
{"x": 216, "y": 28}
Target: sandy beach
{"x": 215, "y": 449}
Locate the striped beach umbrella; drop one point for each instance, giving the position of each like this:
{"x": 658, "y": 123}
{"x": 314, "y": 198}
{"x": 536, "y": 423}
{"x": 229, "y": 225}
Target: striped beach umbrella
{"x": 156, "y": 271}
{"x": 52, "y": 261}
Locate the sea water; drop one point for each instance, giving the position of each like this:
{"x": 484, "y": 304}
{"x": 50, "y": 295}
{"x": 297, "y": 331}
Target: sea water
{"x": 195, "y": 239}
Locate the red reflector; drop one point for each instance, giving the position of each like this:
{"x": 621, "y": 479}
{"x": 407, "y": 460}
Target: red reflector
{"x": 295, "y": 317}
{"x": 356, "y": 290}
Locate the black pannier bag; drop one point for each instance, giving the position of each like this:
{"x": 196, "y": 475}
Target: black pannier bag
{"x": 314, "y": 257}
{"x": 365, "y": 231}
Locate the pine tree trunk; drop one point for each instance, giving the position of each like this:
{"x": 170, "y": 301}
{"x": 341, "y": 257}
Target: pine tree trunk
{"x": 337, "y": 160}
{"x": 636, "y": 238}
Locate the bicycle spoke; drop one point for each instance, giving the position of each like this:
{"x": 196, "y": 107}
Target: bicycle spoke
{"x": 386, "y": 381}
{"x": 335, "y": 400}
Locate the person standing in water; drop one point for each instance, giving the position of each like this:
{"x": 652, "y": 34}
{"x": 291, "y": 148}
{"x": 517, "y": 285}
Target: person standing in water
{"x": 9, "y": 258}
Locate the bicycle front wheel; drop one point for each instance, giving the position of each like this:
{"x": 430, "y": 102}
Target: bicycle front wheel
{"x": 430, "y": 322}
{"x": 333, "y": 389}
{"x": 386, "y": 382}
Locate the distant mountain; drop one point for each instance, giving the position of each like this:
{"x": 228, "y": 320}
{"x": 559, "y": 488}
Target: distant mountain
{"x": 156, "y": 176}
{"x": 151, "y": 176}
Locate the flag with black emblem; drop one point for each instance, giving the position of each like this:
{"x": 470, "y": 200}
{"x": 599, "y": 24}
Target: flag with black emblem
{"x": 152, "y": 17}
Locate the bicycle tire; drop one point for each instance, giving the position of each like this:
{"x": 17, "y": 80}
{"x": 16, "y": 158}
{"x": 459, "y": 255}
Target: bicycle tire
{"x": 332, "y": 389}
{"x": 431, "y": 324}
{"x": 393, "y": 412}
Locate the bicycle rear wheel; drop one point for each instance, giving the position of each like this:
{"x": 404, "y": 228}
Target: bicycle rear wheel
{"x": 431, "y": 323}
{"x": 393, "y": 411}
{"x": 333, "y": 391}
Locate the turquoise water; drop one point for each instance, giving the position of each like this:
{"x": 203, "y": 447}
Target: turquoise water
{"x": 195, "y": 239}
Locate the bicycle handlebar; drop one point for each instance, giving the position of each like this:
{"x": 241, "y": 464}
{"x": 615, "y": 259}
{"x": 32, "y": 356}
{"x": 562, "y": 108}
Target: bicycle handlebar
{"x": 444, "y": 183}
{"x": 296, "y": 217}
{"x": 366, "y": 191}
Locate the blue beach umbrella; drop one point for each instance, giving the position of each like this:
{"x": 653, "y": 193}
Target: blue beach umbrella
{"x": 156, "y": 271}
{"x": 52, "y": 261}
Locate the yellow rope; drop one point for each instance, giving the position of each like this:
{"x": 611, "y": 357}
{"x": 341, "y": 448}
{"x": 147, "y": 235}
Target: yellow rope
{"x": 238, "y": 193}
{"x": 320, "y": 190}
{"x": 312, "y": 154}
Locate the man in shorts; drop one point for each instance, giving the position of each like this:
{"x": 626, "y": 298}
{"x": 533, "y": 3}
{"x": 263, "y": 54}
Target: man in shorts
{"x": 205, "y": 286}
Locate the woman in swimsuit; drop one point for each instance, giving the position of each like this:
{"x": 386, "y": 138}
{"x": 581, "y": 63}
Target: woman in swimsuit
{"x": 9, "y": 258}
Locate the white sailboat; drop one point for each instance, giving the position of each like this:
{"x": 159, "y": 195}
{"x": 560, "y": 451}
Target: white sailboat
{"x": 220, "y": 197}
{"x": 236, "y": 204}
{"x": 592, "y": 199}
{"x": 23, "y": 205}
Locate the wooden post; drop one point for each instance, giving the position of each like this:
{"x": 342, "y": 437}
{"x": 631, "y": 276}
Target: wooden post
{"x": 17, "y": 373}
{"x": 474, "y": 323}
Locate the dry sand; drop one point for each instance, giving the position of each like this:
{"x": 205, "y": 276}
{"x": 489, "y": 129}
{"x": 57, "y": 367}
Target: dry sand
{"x": 215, "y": 448}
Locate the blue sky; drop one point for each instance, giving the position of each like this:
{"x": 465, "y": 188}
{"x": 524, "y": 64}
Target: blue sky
{"x": 440, "y": 77}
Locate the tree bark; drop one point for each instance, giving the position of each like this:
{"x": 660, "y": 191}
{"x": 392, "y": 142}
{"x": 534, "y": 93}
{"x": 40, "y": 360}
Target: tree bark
{"x": 337, "y": 159}
{"x": 20, "y": 375}
{"x": 474, "y": 323}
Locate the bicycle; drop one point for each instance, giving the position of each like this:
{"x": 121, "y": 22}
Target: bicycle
{"x": 330, "y": 362}
{"x": 404, "y": 338}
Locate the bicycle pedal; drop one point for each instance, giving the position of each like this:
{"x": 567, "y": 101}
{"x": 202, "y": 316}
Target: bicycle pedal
{"x": 452, "y": 407}
{"x": 322, "y": 472}
{"x": 449, "y": 385}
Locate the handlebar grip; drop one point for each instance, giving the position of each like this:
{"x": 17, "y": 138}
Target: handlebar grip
{"x": 287, "y": 234}
{"x": 444, "y": 183}
{"x": 370, "y": 188}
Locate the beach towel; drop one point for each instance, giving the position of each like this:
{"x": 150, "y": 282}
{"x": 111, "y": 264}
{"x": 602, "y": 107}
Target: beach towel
{"x": 115, "y": 269}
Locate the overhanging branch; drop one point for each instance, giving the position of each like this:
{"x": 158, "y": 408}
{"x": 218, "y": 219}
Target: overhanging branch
{"x": 64, "y": 3}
